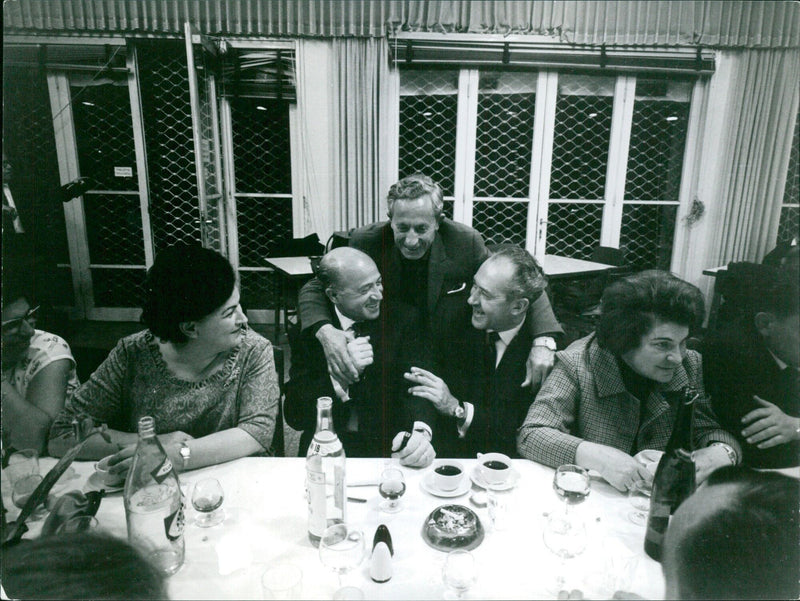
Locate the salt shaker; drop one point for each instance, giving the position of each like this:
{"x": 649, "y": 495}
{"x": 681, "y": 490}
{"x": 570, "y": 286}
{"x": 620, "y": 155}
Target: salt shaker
{"x": 380, "y": 567}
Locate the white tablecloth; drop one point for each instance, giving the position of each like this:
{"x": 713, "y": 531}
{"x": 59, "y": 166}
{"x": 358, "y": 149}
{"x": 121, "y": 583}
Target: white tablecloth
{"x": 266, "y": 515}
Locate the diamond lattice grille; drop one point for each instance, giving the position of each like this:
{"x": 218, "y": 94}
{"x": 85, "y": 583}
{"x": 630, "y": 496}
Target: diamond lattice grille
{"x": 428, "y": 119}
{"x": 788, "y": 226}
{"x": 174, "y": 213}
{"x": 501, "y": 221}
{"x": 646, "y": 235}
{"x": 573, "y": 229}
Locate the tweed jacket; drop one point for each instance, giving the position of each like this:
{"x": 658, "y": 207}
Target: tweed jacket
{"x": 584, "y": 398}
{"x": 455, "y": 255}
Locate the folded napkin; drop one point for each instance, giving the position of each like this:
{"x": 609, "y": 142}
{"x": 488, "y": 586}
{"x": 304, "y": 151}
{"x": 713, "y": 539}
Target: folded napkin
{"x": 69, "y": 505}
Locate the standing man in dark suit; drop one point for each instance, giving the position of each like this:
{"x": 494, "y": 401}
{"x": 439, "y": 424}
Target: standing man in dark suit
{"x": 751, "y": 365}
{"x": 480, "y": 395}
{"x": 427, "y": 262}
{"x": 367, "y": 415}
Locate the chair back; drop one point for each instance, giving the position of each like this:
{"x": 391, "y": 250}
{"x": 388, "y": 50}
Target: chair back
{"x": 278, "y": 437}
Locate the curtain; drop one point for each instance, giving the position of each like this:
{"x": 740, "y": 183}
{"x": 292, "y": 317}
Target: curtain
{"x": 360, "y": 139}
{"x": 755, "y": 146}
{"x": 739, "y": 24}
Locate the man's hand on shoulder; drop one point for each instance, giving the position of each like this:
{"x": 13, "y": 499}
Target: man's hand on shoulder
{"x": 540, "y": 362}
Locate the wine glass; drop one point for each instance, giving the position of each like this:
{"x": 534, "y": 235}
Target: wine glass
{"x": 459, "y": 572}
{"x": 23, "y": 489}
{"x": 571, "y": 483}
{"x": 639, "y": 497}
{"x": 342, "y": 548}
{"x": 392, "y": 487}
{"x": 78, "y": 523}
{"x": 565, "y": 536}
{"x": 207, "y": 497}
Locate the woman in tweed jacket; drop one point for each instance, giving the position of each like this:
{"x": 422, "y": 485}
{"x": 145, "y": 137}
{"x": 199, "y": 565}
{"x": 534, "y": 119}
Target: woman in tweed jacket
{"x": 615, "y": 392}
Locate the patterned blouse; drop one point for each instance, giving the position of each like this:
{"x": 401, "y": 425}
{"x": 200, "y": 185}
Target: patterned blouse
{"x": 134, "y": 381}
{"x": 44, "y": 349}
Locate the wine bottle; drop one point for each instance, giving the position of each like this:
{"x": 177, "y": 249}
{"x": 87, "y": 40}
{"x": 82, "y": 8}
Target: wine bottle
{"x": 675, "y": 476}
{"x": 325, "y": 475}
{"x": 154, "y": 502}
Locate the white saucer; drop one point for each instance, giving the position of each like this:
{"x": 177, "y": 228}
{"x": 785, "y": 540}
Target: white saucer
{"x": 429, "y": 487}
{"x": 96, "y": 483}
{"x": 477, "y": 478}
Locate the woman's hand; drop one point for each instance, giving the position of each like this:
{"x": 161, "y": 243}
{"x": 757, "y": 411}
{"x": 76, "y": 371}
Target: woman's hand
{"x": 768, "y": 426}
{"x": 708, "y": 459}
{"x": 618, "y": 468}
{"x": 121, "y": 461}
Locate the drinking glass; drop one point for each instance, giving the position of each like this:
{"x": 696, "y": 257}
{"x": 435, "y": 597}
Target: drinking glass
{"x": 342, "y": 548}
{"x": 22, "y": 464}
{"x": 282, "y": 581}
{"x": 207, "y": 497}
{"x": 571, "y": 483}
{"x": 392, "y": 487}
{"x": 639, "y": 497}
{"x": 23, "y": 489}
{"x": 459, "y": 573}
{"x": 565, "y": 536}
{"x": 79, "y": 523}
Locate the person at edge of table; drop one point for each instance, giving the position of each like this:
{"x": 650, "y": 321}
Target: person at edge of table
{"x": 205, "y": 377}
{"x": 482, "y": 407}
{"x": 366, "y": 415}
{"x": 616, "y": 391}
{"x": 427, "y": 262}
{"x": 38, "y": 371}
{"x": 752, "y": 364}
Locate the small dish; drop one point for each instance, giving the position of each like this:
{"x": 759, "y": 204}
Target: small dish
{"x": 428, "y": 485}
{"x": 95, "y": 482}
{"x": 477, "y": 479}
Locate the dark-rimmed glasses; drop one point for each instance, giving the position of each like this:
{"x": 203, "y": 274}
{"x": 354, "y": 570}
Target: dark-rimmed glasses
{"x": 12, "y": 326}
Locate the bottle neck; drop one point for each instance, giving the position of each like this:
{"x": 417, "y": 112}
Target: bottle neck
{"x": 324, "y": 414}
{"x": 147, "y": 427}
{"x": 683, "y": 432}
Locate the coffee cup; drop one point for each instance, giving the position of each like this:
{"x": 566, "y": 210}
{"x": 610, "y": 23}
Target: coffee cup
{"x": 447, "y": 475}
{"x": 102, "y": 468}
{"x": 495, "y": 468}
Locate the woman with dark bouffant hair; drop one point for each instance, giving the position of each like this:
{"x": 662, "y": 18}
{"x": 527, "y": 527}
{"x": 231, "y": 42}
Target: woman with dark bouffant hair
{"x": 207, "y": 379}
{"x": 79, "y": 566}
{"x": 616, "y": 392}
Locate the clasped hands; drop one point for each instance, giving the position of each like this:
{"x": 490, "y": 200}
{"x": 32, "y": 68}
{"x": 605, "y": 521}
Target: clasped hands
{"x": 120, "y": 462}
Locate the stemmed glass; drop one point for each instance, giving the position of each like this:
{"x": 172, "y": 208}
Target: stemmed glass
{"x": 571, "y": 483}
{"x": 23, "y": 473}
{"x": 639, "y": 497}
{"x": 566, "y": 537}
{"x": 459, "y": 572}
{"x": 392, "y": 487}
{"x": 207, "y": 497}
{"x": 342, "y": 548}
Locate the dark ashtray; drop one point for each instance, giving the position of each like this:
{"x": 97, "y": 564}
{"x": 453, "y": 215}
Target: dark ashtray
{"x": 451, "y": 527}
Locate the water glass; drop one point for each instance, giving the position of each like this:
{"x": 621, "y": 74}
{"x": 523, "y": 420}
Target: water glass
{"x": 22, "y": 464}
{"x": 639, "y": 497}
{"x": 282, "y": 581}
{"x": 459, "y": 573}
{"x": 207, "y": 498}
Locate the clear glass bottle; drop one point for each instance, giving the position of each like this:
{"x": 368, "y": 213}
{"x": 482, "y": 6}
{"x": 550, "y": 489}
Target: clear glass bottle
{"x": 154, "y": 502}
{"x": 675, "y": 476}
{"x": 325, "y": 475}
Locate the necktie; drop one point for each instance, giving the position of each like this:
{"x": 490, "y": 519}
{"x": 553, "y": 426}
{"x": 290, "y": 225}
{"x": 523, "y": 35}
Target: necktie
{"x": 490, "y": 350}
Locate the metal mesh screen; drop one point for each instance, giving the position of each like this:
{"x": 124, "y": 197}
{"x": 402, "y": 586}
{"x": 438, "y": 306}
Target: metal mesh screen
{"x": 428, "y": 120}
{"x": 789, "y": 227}
{"x": 573, "y": 229}
{"x": 108, "y": 282}
{"x": 114, "y": 230}
{"x": 500, "y": 222}
{"x": 29, "y": 145}
{"x": 581, "y": 138}
{"x": 504, "y": 134}
{"x": 655, "y": 161}
{"x": 167, "y": 114}
{"x": 263, "y": 168}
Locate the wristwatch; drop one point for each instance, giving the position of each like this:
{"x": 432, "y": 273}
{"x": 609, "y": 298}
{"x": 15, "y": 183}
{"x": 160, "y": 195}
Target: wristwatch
{"x": 459, "y": 412}
{"x": 732, "y": 454}
{"x": 545, "y": 341}
{"x": 186, "y": 454}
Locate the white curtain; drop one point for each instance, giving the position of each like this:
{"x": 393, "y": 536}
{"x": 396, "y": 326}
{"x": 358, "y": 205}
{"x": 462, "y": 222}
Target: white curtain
{"x": 755, "y": 143}
{"x": 361, "y": 90}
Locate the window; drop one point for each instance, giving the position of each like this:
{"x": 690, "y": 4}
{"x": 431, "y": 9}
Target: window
{"x": 560, "y": 162}
{"x": 789, "y": 225}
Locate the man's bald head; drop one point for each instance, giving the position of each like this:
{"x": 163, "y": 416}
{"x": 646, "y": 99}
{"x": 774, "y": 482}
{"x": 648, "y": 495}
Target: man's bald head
{"x": 737, "y": 537}
{"x": 352, "y": 282}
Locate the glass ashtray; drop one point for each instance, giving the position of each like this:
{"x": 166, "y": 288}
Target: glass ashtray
{"x": 451, "y": 527}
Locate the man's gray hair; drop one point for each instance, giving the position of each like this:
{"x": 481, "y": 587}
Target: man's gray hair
{"x": 414, "y": 187}
{"x": 529, "y": 280}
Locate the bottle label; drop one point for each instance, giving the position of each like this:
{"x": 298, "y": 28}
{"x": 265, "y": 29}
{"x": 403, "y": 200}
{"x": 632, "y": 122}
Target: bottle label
{"x": 162, "y": 471}
{"x": 325, "y": 447}
{"x": 174, "y": 522}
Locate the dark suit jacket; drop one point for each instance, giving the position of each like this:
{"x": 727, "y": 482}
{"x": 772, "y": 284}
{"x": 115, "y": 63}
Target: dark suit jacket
{"x": 456, "y": 254}
{"x": 381, "y": 413}
{"x": 500, "y": 402}
{"x": 736, "y": 366}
